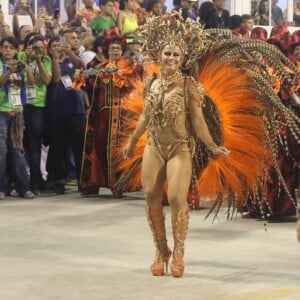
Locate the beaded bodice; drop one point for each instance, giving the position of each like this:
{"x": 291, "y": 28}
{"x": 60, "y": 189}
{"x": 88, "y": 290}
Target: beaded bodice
{"x": 162, "y": 111}
{"x": 164, "y": 102}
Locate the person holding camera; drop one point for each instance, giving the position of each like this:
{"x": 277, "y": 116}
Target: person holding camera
{"x": 65, "y": 109}
{"x": 15, "y": 77}
{"x": 34, "y": 111}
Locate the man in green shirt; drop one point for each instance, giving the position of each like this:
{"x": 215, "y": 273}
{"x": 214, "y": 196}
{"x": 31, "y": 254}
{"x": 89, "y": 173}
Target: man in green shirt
{"x": 15, "y": 78}
{"x": 105, "y": 19}
{"x": 34, "y": 111}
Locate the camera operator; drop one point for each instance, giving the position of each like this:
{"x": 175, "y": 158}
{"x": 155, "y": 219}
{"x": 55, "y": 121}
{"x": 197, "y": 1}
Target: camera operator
{"x": 34, "y": 111}
{"x": 14, "y": 76}
{"x": 65, "y": 109}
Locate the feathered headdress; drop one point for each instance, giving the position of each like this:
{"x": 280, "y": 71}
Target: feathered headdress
{"x": 172, "y": 29}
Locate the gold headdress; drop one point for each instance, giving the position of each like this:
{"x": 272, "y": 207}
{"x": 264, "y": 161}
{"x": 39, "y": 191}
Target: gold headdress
{"x": 172, "y": 29}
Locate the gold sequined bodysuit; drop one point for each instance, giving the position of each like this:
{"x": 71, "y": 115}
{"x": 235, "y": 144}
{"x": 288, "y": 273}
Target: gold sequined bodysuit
{"x": 166, "y": 105}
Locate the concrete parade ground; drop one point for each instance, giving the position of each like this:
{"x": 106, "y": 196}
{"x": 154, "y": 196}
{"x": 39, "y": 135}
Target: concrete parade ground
{"x": 70, "y": 247}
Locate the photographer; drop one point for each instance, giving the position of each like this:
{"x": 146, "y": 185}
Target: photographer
{"x": 34, "y": 111}
{"x": 65, "y": 110}
{"x": 14, "y": 76}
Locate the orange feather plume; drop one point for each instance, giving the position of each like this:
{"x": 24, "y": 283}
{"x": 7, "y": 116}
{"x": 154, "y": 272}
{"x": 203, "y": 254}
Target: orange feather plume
{"x": 242, "y": 128}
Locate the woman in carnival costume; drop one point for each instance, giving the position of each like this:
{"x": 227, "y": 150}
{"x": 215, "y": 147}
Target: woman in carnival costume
{"x": 210, "y": 134}
{"x": 106, "y": 83}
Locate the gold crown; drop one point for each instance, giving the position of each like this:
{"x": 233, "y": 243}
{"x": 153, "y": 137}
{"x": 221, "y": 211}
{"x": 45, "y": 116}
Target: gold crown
{"x": 172, "y": 29}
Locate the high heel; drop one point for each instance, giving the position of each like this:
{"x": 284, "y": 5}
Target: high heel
{"x": 156, "y": 220}
{"x": 180, "y": 222}
{"x": 161, "y": 262}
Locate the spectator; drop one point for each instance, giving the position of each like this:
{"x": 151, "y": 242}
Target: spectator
{"x": 186, "y": 9}
{"x": 204, "y": 8}
{"x": 65, "y": 110}
{"x": 156, "y": 8}
{"x": 133, "y": 53}
{"x": 140, "y": 12}
{"x": 245, "y": 26}
{"x": 99, "y": 57}
{"x": 89, "y": 12}
{"x": 105, "y": 19}
{"x": 13, "y": 80}
{"x": 277, "y": 14}
{"x": 296, "y": 17}
{"x": 70, "y": 6}
{"x": 235, "y": 21}
{"x": 218, "y": 16}
{"x": 127, "y": 20}
{"x": 247, "y": 22}
{"x": 34, "y": 110}
{"x": 261, "y": 17}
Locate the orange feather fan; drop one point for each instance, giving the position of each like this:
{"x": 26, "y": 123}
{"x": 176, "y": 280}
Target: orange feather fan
{"x": 243, "y": 132}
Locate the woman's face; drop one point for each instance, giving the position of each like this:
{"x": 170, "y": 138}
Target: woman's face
{"x": 114, "y": 51}
{"x": 171, "y": 59}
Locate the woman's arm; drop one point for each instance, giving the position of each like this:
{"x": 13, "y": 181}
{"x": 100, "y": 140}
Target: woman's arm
{"x": 138, "y": 132}
{"x": 196, "y": 94}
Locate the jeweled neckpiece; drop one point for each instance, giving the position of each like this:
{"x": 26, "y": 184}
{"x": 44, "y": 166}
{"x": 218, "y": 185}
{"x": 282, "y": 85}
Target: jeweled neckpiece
{"x": 165, "y": 81}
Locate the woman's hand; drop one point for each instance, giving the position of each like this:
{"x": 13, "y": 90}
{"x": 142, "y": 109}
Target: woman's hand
{"x": 128, "y": 150}
{"x": 220, "y": 150}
